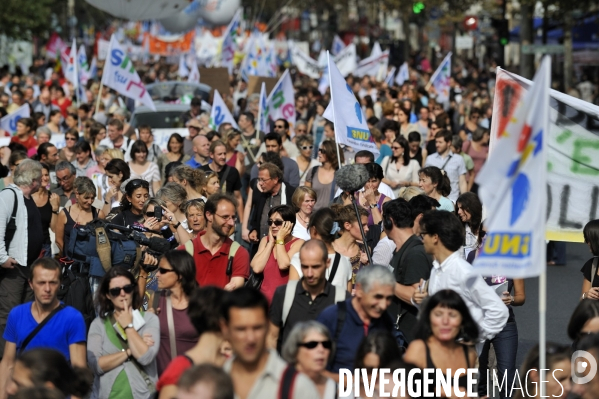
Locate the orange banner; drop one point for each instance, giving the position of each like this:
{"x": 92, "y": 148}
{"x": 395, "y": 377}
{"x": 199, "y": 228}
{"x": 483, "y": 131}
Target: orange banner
{"x": 174, "y": 45}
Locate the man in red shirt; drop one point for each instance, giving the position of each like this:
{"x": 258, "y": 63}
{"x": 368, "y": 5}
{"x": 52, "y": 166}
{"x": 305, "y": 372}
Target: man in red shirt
{"x": 211, "y": 247}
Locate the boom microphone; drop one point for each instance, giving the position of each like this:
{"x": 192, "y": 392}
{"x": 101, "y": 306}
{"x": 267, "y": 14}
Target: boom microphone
{"x": 351, "y": 178}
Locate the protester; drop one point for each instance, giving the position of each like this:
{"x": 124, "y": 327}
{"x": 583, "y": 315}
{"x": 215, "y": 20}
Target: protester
{"x": 63, "y": 327}
{"x": 132, "y": 203}
{"x": 590, "y": 284}
{"x": 322, "y": 178}
{"x": 97, "y": 133}
{"x": 146, "y": 135}
{"x": 363, "y": 313}
{"x": 174, "y": 197}
{"x": 25, "y": 133}
{"x": 67, "y": 153}
{"x": 117, "y": 172}
{"x": 175, "y": 153}
{"x": 235, "y": 159}
{"x": 212, "y": 247}
{"x": 303, "y": 200}
{"x": 123, "y": 343}
{"x": 274, "y": 143}
{"x": 584, "y": 321}
{"x": 143, "y": 169}
{"x": 247, "y": 311}
{"x": 47, "y": 203}
{"x": 370, "y": 198}
{"x": 48, "y": 367}
{"x": 201, "y": 152}
{"x": 194, "y": 212}
{"x": 206, "y": 381}
{"x": 436, "y": 185}
{"x": 308, "y": 347}
{"x": 399, "y": 169}
{"x": 349, "y": 242}
{"x": 452, "y": 165}
{"x": 305, "y": 162}
{"x": 204, "y": 312}
{"x": 176, "y": 282}
{"x": 470, "y": 212}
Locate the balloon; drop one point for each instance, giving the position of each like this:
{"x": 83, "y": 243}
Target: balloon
{"x": 218, "y": 12}
{"x": 139, "y": 10}
{"x": 183, "y": 21}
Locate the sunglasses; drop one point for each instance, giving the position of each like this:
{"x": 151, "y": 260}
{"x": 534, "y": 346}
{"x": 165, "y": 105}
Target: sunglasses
{"x": 277, "y": 223}
{"x": 279, "y": 127}
{"x": 116, "y": 291}
{"x": 396, "y": 148}
{"x": 162, "y": 270}
{"x": 307, "y": 147}
{"x": 136, "y": 183}
{"x": 321, "y": 150}
{"x": 70, "y": 139}
{"x": 314, "y": 344}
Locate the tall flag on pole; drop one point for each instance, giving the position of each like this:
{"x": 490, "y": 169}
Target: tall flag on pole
{"x": 440, "y": 79}
{"x": 220, "y": 113}
{"x": 512, "y": 186}
{"x": 120, "y": 75}
{"x": 263, "y": 124}
{"x": 84, "y": 68}
{"x": 229, "y": 45}
{"x": 281, "y": 101}
{"x": 9, "y": 122}
{"x": 338, "y": 45}
{"x": 345, "y": 112}
{"x": 93, "y": 69}
{"x": 403, "y": 75}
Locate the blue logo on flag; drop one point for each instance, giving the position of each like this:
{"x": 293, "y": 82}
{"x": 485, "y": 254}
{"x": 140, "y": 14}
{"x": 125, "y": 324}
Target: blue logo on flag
{"x": 507, "y": 245}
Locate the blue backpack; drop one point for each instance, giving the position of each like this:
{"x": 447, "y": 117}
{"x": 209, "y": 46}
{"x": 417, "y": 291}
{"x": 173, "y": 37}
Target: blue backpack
{"x": 83, "y": 249}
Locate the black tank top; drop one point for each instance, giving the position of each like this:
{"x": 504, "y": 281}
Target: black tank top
{"x": 70, "y": 224}
{"x": 46, "y": 214}
{"x": 462, "y": 381}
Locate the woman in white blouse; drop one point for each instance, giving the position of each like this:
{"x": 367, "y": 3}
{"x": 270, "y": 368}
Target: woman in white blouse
{"x": 399, "y": 170}
{"x": 303, "y": 199}
{"x": 305, "y": 145}
{"x": 143, "y": 169}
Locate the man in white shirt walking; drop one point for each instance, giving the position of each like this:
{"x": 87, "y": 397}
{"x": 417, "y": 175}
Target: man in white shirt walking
{"x": 443, "y": 235}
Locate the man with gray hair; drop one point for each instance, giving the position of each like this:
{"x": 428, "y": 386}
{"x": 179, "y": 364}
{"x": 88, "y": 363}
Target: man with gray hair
{"x": 21, "y": 238}
{"x": 65, "y": 177}
{"x": 350, "y": 321}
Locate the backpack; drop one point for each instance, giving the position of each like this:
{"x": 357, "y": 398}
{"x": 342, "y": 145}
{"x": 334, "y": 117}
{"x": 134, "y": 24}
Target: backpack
{"x": 92, "y": 249}
{"x": 74, "y": 291}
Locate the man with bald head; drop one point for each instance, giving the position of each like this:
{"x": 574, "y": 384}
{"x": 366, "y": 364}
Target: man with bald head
{"x": 303, "y": 300}
{"x": 201, "y": 149}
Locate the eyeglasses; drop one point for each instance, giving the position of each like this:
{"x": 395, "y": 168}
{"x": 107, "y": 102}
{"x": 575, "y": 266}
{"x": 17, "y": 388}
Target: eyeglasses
{"x": 227, "y": 218}
{"x": 162, "y": 270}
{"x": 64, "y": 179}
{"x": 422, "y": 234}
{"x": 116, "y": 291}
{"x": 264, "y": 180}
{"x": 277, "y": 223}
{"x": 307, "y": 147}
{"x": 314, "y": 344}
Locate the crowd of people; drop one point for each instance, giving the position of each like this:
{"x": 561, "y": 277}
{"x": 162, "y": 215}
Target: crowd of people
{"x": 267, "y": 288}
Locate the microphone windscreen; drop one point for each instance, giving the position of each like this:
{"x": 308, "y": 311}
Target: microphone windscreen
{"x": 160, "y": 245}
{"x": 352, "y": 178}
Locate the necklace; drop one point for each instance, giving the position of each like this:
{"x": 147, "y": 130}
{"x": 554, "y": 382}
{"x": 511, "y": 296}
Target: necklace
{"x": 301, "y": 218}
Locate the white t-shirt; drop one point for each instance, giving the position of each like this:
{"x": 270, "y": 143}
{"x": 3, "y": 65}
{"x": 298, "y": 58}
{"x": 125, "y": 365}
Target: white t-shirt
{"x": 300, "y": 231}
{"x": 342, "y": 276}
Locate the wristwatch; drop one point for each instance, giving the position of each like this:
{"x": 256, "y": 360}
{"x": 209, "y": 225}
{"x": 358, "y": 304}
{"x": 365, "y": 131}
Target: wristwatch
{"x": 130, "y": 325}
{"x": 372, "y": 206}
{"x": 280, "y": 242}
{"x": 177, "y": 225}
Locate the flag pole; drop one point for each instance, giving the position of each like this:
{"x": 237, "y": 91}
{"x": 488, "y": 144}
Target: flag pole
{"x": 437, "y": 71}
{"x": 102, "y": 81}
{"x": 542, "y": 325}
{"x": 334, "y": 118}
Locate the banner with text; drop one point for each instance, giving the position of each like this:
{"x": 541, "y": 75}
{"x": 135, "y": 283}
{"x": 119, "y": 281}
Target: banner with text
{"x": 572, "y": 154}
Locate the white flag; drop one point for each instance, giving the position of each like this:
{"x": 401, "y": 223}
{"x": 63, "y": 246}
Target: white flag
{"x": 322, "y": 59}
{"x": 263, "y": 124}
{"x": 376, "y": 50}
{"x": 323, "y": 83}
{"x": 183, "y": 70}
{"x": 346, "y": 60}
{"x": 70, "y": 72}
{"x": 440, "y": 79}
{"x": 84, "y": 68}
{"x": 338, "y": 45}
{"x": 373, "y": 65}
{"x": 120, "y": 75}
{"x": 304, "y": 63}
{"x": 9, "y": 122}
{"x": 229, "y": 45}
{"x": 281, "y": 101}
{"x": 220, "y": 113}
{"x": 194, "y": 73}
{"x": 403, "y": 75}
{"x": 93, "y": 69}
{"x": 345, "y": 112}
{"x": 512, "y": 186}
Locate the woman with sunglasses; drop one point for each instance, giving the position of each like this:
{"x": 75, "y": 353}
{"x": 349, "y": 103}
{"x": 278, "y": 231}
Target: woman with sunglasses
{"x": 308, "y": 348}
{"x": 123, "y": 342}
{"x": 273, "y": 258}
{"x": 79, "y": 214}
{"x": 176, "y": 281}
{"x": 132, "y": 204}
{"x": 400, "y": 170}
{"x": 67, "y": 153}
{"x": 141, "y": 168}
{"x": 305, "y": 145}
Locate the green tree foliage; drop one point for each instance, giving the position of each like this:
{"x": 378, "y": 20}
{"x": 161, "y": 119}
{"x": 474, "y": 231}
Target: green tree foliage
{"x": 25, "y": 18}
